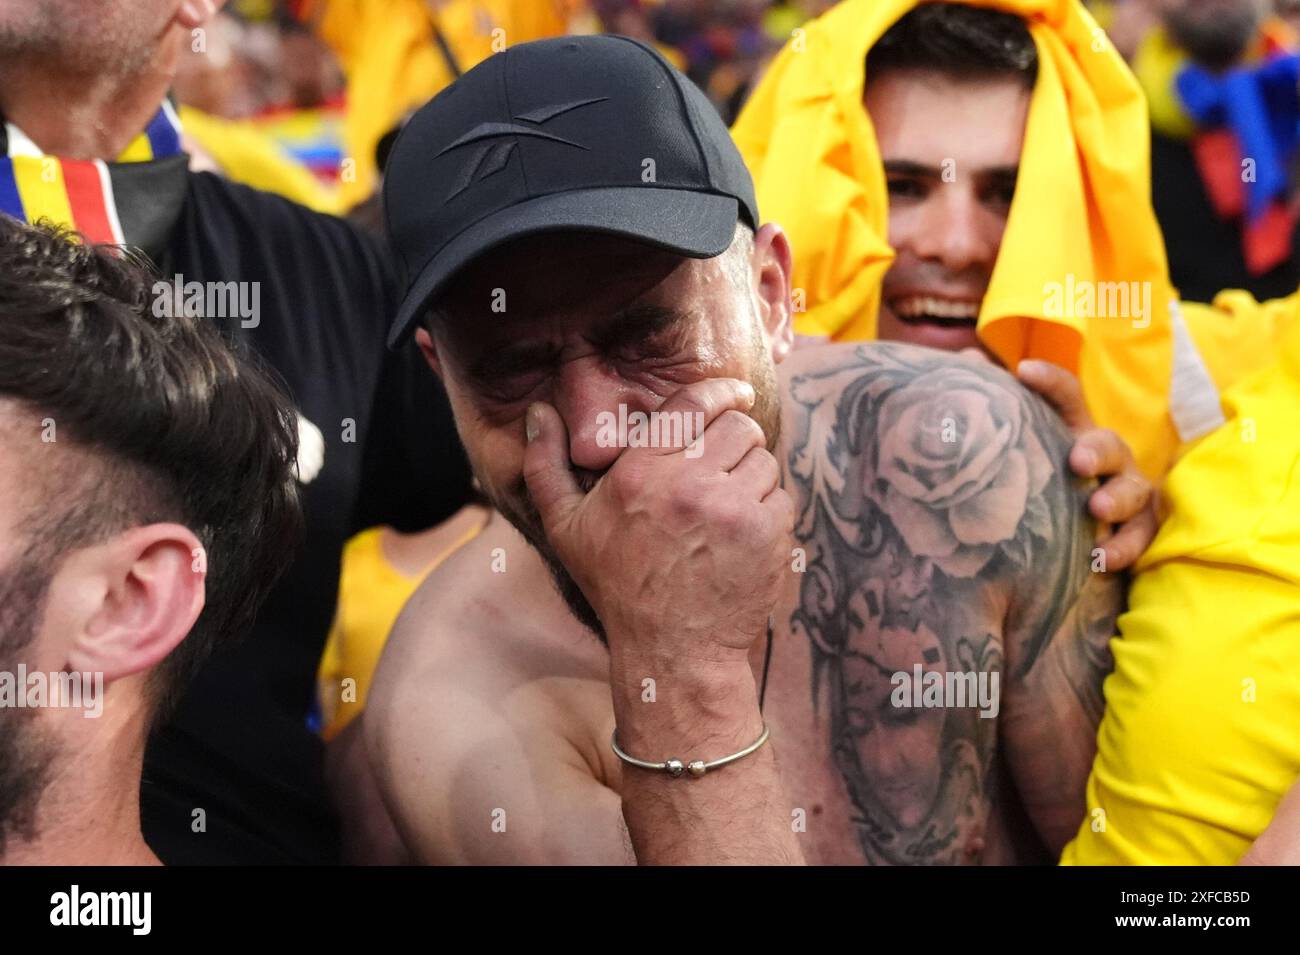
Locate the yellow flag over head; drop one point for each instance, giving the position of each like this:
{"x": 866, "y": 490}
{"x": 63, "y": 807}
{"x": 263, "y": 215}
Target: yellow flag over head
{"x": 393, "y": 62}
{"x": 1081, "y": 234}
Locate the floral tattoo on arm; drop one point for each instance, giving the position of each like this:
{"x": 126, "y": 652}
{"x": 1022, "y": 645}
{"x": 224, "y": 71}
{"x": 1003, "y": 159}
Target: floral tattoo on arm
{"x": 930, "y": 489}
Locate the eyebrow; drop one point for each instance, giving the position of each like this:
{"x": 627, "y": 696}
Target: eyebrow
{"x": 636, "y": 323}
{"x": 630, "y": 325}
{"x": 511, "y": 360}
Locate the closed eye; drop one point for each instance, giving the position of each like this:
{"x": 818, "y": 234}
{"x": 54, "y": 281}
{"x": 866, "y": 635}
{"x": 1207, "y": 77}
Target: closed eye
{"x": 905, "y": 187}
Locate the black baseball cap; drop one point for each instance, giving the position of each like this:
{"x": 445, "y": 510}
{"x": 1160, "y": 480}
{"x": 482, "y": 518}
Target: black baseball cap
{"x": 583, "y": 133}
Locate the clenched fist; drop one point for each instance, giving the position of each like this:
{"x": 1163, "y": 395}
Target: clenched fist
{"x": 681, "y": 553}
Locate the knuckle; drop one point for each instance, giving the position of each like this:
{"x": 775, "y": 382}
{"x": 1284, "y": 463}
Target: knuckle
{"x": 1111, "y": 438}
{"x": 1140, "y": 484}
{"x": 1121, "y": 555}
{"x": 739, "y": 421}
{"x": 626, "y": 480}
{"x": 733, "y": 520}
{"x": 687, "y": 497}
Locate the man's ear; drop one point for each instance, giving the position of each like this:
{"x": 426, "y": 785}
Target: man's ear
{"x": 194, "y": 13}
{"x": 429, "y": 350}
{"x": 120, "y": 607}
{"x": 772, "y": 265}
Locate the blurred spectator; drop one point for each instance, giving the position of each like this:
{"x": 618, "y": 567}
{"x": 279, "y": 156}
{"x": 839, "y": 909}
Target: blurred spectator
{"x": 723, "y": 45}
{"x": 1126, "y": 22}
{"x": 381, "y": 568}
{"x": 1220, "y": 76}
{"x": 265, "y": 100}
{"x": 397, "y": 54}
{"x": 261, "y": 102}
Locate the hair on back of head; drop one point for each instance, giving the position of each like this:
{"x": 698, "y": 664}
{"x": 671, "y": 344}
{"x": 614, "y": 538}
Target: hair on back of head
{"x": 157, "y": 419}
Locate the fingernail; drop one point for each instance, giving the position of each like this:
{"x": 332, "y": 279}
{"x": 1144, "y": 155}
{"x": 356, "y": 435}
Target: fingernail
{"x": 1031, "y": 367}
{"x": 1088, "y": 460}
{"x": 1101, "y": 502}
{"x": 532, "y": 423}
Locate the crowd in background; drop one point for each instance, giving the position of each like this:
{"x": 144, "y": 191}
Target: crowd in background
{"x": 265, "y": 94}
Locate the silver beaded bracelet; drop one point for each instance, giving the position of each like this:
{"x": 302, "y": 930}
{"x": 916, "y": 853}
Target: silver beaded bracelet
{"x": 697, "y": 768}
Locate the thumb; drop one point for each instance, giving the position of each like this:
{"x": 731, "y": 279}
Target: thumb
{"x": 547, "y": 470}
{"x": 1061, "y": 390}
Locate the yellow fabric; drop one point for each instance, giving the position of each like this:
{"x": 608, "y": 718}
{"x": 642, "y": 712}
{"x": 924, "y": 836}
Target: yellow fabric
{"x": 1199, "y": 740}
{"x": 43, "y": 190}
{"x": 137, "y": 150}
{"x": 393, "y": 65}
{"x": 1082, "y": 207}
{"x": 372, "y": 593}
{"x": 246, "y": 154}
{"x": 1237, "y": 336}
{"x": 1157, "y": 64}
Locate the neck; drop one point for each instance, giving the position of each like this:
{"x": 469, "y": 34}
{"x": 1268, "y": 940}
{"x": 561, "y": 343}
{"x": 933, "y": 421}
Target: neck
{"x": 78, "y": 115}
{"x": 90, "y": 812}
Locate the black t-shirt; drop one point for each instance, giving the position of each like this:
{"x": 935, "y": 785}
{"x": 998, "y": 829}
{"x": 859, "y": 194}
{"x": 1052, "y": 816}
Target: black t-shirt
{"x": 239, "y": 747}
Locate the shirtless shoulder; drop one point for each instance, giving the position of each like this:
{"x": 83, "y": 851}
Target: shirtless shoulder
{"x": 945, "y": 550}
{"x": 482, "y": 723}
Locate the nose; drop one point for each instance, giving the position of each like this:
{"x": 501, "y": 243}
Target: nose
{"x": 958, "y": 232}
{"x": 587, "y": 395}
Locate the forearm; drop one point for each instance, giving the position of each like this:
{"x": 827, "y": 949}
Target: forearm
{"x": 734, "y": 814}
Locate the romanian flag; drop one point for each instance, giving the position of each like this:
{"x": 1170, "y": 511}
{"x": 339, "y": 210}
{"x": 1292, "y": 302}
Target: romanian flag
{"x": 79, "y": 193}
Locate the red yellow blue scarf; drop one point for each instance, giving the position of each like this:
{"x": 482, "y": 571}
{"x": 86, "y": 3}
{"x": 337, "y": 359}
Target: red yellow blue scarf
{"x": 1242, "y": 128}
{"x": 131, "y": 200}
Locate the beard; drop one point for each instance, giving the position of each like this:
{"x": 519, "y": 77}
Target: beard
{"x": 517, "y": 506}
{"x": 1218, "y": 38}
{"x": 116, "y": 37}
{"x": 26, "y": 752}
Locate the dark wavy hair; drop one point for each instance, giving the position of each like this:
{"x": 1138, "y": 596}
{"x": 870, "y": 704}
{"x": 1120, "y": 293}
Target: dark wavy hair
{"x": 180, "y": 428}
{"x": 959, "y": 41}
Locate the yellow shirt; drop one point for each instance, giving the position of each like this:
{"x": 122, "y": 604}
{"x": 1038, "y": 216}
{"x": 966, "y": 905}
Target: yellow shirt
{"x": 372, "y": 593}
{"x": 1201, "y": 735}
{"x": 1237, "y": 336}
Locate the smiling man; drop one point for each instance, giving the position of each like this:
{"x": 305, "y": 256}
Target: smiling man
{"x": 971, "y": 79}
{"x": 956, "y": 175}
{"x": 854, "y": 513}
